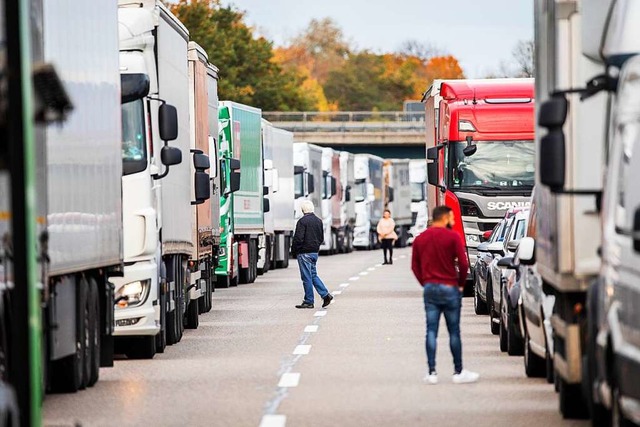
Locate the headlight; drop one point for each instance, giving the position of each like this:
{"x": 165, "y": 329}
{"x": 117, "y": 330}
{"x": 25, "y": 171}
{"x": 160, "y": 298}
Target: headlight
{"x": 133, "y": 294}
{"x": 473, "y": 238}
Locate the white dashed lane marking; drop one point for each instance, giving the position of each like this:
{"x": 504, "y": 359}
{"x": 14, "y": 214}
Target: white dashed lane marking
{"x": 311, "y": 328}
{"x": 320, "y": 313}
{"x": 273, "y": 421}
{"x": 302, "y": 349}
{"x": 344, "y": 285}
{"x": 336, "y": 292}
{"x": 371, "y": 269}
{"x": 290, "y": 379}
{"x": 364, "y": 273}
{"x": 354, "y": 278}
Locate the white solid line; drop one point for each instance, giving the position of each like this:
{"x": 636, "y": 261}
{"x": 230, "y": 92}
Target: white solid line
{"x": 273, "y": 421}
{"x": 302, "y": 349}
{"x": 311, "y": 328}
{"x": 336, "y": 293}
{"x": 344, "y": 285}
{"x": 291, "y": 379}
{"x": 354, "y": 278}
{"x": 371, "y": 269}
{"x": 364, "y": 273}
{"x": 320, "y": 313}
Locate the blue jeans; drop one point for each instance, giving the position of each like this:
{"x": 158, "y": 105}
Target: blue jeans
{"x": 309, "y": 275}
{"x": 445, "y": 299}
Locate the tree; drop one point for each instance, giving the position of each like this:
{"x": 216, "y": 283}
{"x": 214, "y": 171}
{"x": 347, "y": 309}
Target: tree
{"x": 248, "y": 72}
{"x": 418, "y": 49}
{"x": 523, "y": 56}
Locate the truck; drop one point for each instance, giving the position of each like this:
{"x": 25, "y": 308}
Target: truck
{"x": 369, "y": 194}
{"x": 480, "y": 151}
{"x": 586, "y": 242}
{"x": 279, "y": 220}
{"x": 398, "y": 197}
{"x": 331, "y": 200}
{"x": 419, "y": 208}
{"x": 78, "y": 215}
{"x": 307, "y": 178}
{"x": 203, "y": 106}
{"x": 241, "y": 140}
{"x": 348, "y": 203}
{"x": 153, "y": 294}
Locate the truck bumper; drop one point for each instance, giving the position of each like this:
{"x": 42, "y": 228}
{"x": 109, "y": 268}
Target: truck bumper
{"x": 361, "y": 237}
{"x": 145, "y": 318}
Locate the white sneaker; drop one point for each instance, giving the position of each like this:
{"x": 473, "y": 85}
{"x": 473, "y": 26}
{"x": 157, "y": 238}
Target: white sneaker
{"x": 431, "y": 378}
{"x": 465, "y": 377}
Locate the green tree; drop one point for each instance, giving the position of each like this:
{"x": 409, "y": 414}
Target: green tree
{"x": 248, "y": 73}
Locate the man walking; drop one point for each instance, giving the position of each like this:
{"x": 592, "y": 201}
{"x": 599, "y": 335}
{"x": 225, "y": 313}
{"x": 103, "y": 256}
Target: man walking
{"x": 435, "y": 253}
{"x": 307, "y": 239}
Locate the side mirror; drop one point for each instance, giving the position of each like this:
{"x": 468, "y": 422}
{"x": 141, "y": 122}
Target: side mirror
{"x": 496, "y": 248}
{"x": 527, "y": 251}
{"x": 552, "y": 115}
{"x": 311, "y": 186}
{"x": 512, "y": 245}
{"x": 636, "y": 230}
{"x": 507, "y": 262}
{"x": 201, "y": 187}
{"x": 486, "y": 235}
{"x": 201, "y": 161}
{"x": 168, "y": 122}
{"x": 471, "y": 148}
{"x": 433, "y": 174}
{"x": 170, "y": 156}
{"x": 265, "y": 191}
{"x": 334, "y": 187}
{"x": 266, "y": 205}
{"x": 234, "y": 164}
{"x": 347, "y": 194}
{"x": 391, "y": 194}
{"x": 433, "y": 153}
{"x": 298, "y": 169}
{"x": 553, "y": 112}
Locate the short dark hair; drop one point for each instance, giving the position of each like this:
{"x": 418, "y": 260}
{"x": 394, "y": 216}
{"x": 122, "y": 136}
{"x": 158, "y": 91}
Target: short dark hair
{"x": 387, "y": 210}
{"x": 440, "y": 211}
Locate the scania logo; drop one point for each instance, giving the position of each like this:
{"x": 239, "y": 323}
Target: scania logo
{"x": 503, "y": 206}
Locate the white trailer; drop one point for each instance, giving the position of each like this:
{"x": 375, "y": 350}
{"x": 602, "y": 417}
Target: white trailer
{"x": 369, "y": 196}
{"x": 157, "y": 181}
{"x": 398, "y": 196}
{"x": 331, "y": 200}
{"x": 419, "y": 209}
{"x": 348, "y": 203}
{"x": 279, "y": 221}
{"x": 307, "y": 178}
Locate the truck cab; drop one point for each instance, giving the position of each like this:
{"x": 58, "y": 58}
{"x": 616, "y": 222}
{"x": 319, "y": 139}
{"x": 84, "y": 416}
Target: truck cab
{"x": 307, "y": 178}
{"x": 369, "y": 196}
{"x": 419, "y": 209}
{"x": 331, "y": 196}
{"x": 348, "y": 204}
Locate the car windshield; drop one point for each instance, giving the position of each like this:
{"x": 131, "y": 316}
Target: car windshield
{"x": 298, "y": 184}
{"x": 360, "y": 190}
{"x": 502, "y": 232}
{"x": 417, "y": 191}
{"x": 134, "y": 143}
{"x": 496, "y": 165}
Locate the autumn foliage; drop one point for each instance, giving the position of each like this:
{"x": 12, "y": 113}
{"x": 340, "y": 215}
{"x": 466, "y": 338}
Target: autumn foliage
{"x": 316, "y": 70}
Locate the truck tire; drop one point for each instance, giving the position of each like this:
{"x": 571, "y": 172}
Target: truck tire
{"x": 267, "y": 256}
{"x": 534, "y": 365}
{"x": 253, "y": 264}
{"x": 479, "y": 306}
{"x": 572, "y": 402}
{"x": 67, "y": 373}
{"x": 141, "y": 347}
{"x": 174, "y": 317}
{"x": 161, "y": 337}
{"x": 94, "y": 332}
{"x": 192, "y": 320}
{"x": 222, "y": 281}
{"x": 87, "y": 325}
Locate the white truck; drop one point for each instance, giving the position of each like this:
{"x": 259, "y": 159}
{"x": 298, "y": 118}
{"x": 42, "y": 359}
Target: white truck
{"x": 152, "y": 296}
{"x": 369, "y": 196}
{"x": 331, "y": 200}
{"x": 348, "y": 203}
{"x": 398, "y": 196}
{"x": 419, "y": 209}
{"x": 307, "y": 177}
{"x": 278, "y": 179}
{"x": 78, "y": 179}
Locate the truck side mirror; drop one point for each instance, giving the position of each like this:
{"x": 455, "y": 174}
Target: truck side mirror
{"x": 636, "y": 230}
{"x": 234, "y": 165}
{"x": 553, "y": 114}
{"x": 266, "y": 204}
{"x": 527, "y": 251}
{"x": 391, "y": 194}
{"x": 201, "y": 187}
{"x": 334, "y": 187}
{"x": 311, "y": 186}
{"x": 432, "y": 174}
{"x": 168, "y": 122}
{"x": 201, "y": 161}
{"x": 234, "y": 181}
{"x": 347, "y": 194}
{"x": 265, "y": 191}
{"x": 170, "y": 156}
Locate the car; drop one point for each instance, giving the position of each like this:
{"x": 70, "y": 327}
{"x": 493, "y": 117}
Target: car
{"x": 511, "y": 338}
{"x": 487, "y": 250}
{"x": 516, "y": 226}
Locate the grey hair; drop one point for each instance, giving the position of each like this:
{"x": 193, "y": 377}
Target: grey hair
{"x": 307, "y": 206}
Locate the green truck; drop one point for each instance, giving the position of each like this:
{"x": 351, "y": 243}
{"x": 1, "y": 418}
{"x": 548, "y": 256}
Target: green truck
{"x": 242, "y": 204}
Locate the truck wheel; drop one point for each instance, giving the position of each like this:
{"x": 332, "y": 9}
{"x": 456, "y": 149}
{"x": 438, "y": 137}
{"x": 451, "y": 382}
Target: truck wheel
{"x": 173, "y": 329}
{"x": 222, "y": 281}
{"x": 94, "y": 332}
{"x": 87, "y": 325}
{"x": 572, "y": 402}
{"x": 141, "y": 347}
{"x": 161, "y": 337}
{"x": 534, "y": 365}
{"x": 191, "y": 319}
{"x": 479, "y": 306}
{"x": 514, "y": 345}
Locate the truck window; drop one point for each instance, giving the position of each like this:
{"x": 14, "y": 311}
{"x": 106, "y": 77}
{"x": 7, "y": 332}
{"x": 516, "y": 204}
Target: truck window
{"x": 298, "y": 184}
{"x": 520, "y": 230}
{"x": 360, "y": 190}
{"x": 417, "y": 191}
{"x": 326, "y": 186}
{"x": 134, "y": 141}
{"x": 496, "y": 165}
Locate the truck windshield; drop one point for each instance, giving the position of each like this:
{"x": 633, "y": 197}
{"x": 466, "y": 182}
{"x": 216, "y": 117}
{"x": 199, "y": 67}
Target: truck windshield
{"x": 298, "y": 184}
{"x": 360, "y": 190}
{"x": 496, "y": 165}
{"x": 417, "y": 191}
{"x": 134, "y": 142}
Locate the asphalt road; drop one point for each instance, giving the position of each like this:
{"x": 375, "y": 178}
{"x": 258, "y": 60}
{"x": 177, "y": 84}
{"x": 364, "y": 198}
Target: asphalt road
{"x": 257, "y": 361}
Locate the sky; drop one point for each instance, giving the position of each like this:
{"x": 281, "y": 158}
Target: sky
{"x": 480, "y": 33}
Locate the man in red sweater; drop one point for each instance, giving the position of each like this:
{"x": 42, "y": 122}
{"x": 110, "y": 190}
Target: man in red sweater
{"x": 440, "y": 264}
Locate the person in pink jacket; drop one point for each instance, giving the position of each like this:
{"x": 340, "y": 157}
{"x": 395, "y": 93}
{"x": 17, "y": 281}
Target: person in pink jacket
{"x": 387, "y": 235}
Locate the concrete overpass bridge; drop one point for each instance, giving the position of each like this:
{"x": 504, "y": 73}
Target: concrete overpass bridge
{"x": 387, "y": 134}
